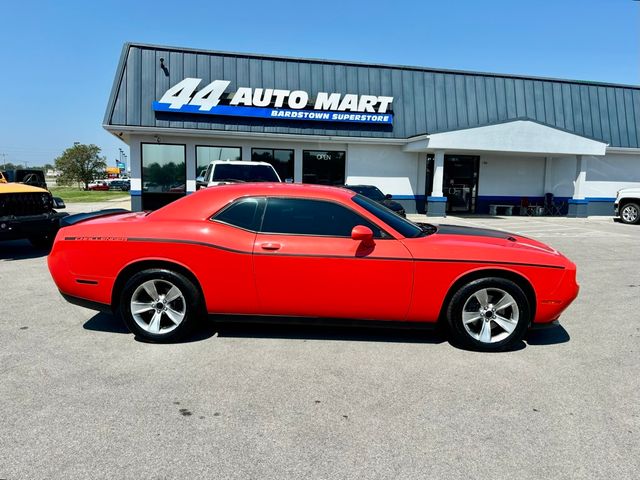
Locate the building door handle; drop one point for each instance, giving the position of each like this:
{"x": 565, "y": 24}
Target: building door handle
{"x": 271, "y": 246}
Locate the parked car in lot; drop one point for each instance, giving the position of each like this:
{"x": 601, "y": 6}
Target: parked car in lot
{"x": 99, "y": 185}
{"x": 221, "y": 172}
{"x": 29, "y": 212}
{"x": 374, "y": 193}
{"x": 627, "y": 205}
{"x": 122, "y": 185}
{"x": 307, "y": 251}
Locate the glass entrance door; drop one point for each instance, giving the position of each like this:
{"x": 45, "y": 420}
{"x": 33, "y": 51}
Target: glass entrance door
{"x": 460, "y": 183}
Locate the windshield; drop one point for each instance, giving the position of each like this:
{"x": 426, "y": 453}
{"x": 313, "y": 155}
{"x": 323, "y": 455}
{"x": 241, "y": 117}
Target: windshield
{"x": 401, "y": 225}
{"x": 369, "y": 191}
{"x": 244, "y": 173}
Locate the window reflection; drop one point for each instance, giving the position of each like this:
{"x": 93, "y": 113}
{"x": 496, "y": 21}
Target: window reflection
{"x": 163, "y": 168}
{"x": 323, "y": 167}
{"x": 206, "y": 154}
{"x": 281, "y": 159}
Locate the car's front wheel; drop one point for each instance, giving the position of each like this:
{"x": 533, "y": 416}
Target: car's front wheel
{"x": 630, "y": 213}
{"x": 159, "y": 305}
{"x": 488, "y": 314}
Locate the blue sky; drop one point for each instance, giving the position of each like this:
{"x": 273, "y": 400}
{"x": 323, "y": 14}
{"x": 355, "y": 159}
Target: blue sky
{"x": 59, "y": 58}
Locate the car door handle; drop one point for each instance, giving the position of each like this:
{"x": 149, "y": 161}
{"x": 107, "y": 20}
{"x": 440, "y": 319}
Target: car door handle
{"x": 271, "y": 246}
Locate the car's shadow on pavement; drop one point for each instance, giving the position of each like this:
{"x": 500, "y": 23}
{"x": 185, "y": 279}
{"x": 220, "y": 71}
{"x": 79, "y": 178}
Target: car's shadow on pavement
{"x": 20, "y": 250}
{"x": 106, "y": 322}
{"x": 327, "y": 332}
{"x": 548, "y": 336}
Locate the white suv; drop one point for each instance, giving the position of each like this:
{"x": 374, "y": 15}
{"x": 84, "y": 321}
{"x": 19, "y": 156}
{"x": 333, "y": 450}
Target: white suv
{"x": 220, "y": 172}
{"x": 627, "y": 205}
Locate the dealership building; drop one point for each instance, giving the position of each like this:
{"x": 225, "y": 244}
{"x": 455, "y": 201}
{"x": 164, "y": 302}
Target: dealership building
{"x": 437, "y": 140}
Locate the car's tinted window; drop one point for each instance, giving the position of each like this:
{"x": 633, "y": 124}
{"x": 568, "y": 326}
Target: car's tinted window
{"x": 244, "y": 213}
{"x": 312, "y": 217}
{"x": 405, "y": 227}
{"x": 244, "y": 173}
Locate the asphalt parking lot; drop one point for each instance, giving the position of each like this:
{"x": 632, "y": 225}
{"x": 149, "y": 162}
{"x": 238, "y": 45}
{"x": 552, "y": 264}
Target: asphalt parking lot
{"x": 81, "y": 398}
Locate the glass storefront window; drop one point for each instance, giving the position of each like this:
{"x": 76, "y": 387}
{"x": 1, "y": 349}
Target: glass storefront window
{"x": 206, "y": 154}
{"x": 282, "y": 161}
{"x": 163, "y": 168}
{"x": 323, "y": 167}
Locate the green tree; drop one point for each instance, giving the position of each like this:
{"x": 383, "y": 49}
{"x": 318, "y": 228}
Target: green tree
{"x": 80, "y": 163}
{"x": 11, "y": 166}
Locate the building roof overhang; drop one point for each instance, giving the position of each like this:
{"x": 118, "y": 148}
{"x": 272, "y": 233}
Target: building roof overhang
{"x": 517, "y": 136}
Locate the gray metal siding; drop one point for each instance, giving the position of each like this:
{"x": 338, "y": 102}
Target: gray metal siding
{"x": 425, "y": 101}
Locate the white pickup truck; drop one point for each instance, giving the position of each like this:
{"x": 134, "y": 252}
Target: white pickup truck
{"x": 220, "y": 172}
{"x": 627, "y": 205}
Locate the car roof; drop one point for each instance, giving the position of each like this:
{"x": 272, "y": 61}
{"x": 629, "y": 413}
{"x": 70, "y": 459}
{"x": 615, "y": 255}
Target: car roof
{"x": 237, "y": 162}
{"x": 207, "y": 200}
{"x": 279, "y": 189}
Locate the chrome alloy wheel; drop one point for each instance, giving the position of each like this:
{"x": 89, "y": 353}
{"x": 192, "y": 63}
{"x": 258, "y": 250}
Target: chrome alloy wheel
{"x": 158, "y": 306}
{"x": 490, "y": 315}
{"x": 630, "y": 213}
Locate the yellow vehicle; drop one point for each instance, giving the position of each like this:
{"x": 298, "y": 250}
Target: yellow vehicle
{"x": 29, "y": 212}
{"x": 2, "y": 179}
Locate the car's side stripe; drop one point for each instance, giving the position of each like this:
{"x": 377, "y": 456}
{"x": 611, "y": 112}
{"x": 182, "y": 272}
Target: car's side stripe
{"x": 311, "y": 255}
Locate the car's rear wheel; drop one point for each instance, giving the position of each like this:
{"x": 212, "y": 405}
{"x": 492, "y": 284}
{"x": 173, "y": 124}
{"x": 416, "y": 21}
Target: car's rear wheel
{"x": 630, "y": 213}
{"x": 159, "y": 305}
{"x": 488, "y": 314}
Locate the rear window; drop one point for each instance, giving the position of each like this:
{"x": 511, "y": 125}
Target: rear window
{"x": 245, "y": 213}
{"x": 244, "y": 173}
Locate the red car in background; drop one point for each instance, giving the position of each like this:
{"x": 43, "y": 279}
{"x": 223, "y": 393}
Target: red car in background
{"x": 306, "y": 251}
{"x": 98, "y": 186}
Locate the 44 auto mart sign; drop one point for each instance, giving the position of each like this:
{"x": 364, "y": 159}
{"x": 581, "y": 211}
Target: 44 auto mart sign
{"x": 212, "y": 99}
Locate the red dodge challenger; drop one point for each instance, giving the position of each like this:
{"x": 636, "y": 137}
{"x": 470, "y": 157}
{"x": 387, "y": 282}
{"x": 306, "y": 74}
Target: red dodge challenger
{"x": 306, "y": 251}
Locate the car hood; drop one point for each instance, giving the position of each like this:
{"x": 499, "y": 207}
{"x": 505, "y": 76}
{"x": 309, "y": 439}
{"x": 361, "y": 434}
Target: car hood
{"x": 12, "y": 187}
{"x": 459, "y": 243}
{"x": 629, "y": 191}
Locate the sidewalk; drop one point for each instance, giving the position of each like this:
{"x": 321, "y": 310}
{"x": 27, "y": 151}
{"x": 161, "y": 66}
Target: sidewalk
{"x": 81, "y": 207}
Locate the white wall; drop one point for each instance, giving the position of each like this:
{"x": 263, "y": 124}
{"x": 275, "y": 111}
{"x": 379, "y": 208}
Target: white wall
{"x": 561, "y": 175}
{"x": 511, "y": 175}
{"x": 606, "y": 175}
{"x": 385, "y": 166}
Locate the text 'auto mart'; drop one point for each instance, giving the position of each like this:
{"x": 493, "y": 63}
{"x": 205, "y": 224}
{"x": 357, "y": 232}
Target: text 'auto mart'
{"x": 437, "y": 140}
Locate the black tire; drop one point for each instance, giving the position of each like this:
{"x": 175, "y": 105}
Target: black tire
{"x": 163, "y": 278}
{"x": 43, "y": 242}
{"x": 500, "y": 338}
{"x": 631, "y": 211}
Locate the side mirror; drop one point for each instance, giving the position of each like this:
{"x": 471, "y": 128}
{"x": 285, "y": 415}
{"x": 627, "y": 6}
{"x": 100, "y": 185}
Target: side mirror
{"x": 362, "y": 234}
{"x": 388, "y": 196}
{"x": 58, "y": 203}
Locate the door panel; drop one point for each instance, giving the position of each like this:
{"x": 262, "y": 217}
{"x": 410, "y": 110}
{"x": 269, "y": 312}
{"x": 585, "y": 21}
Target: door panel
{"x": 332, "y": 277}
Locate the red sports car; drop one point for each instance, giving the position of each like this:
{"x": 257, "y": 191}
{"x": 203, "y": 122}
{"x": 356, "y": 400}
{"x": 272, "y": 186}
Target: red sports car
{"x": 306, "y": 251}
